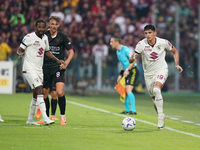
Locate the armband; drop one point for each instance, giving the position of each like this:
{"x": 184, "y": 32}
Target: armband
{"x": 121, "y": 73}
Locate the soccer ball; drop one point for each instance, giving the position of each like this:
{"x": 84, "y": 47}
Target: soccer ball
{"x": 128, "y": 124}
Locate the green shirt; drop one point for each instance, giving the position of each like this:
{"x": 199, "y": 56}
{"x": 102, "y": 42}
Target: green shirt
{"x": 15, "y": 22}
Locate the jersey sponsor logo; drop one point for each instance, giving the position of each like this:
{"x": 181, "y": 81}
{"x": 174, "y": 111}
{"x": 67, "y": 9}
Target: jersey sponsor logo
{"x": 37, "y": 44}
{"x": 147, "y": 49}
{"x": 154, "y": 55}
{"x": 54, "y": 49}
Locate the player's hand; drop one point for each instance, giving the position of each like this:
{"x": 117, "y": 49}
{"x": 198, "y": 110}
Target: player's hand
{"x": 134, "y": 56}
{"x": 126, "y": 73}
{"x": 179, "y": 68}
{"x": 60, "y": 61}
{"x": 119, "y": 78}
{"x": 63, "y": 66}
{"x": 20, "y": 55}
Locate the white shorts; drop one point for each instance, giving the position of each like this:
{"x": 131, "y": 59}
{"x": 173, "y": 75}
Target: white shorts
{"x": 34, "y": 78}
{"x": 151, "y": 80}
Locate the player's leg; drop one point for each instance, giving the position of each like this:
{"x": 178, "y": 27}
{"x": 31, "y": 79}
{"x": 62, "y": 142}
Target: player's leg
{"x": 53, "y": 99}
{"x": 153, "y": 99}
{"x": 159, "y": 104}
{"x": 33, "y": 80}
{"x": 32, "y": 109}
{"x": 60, "y": 87}
{"x": 131, "y": 82}
{"x": 41, "y": 105}
{"x": 160, "y": 80}
{"x": 46, "y": 100}
{"x": 126, "y": 105}
{"x": 53, "y": 104}
{"x": 61, "y": 101}
{"x": 131, "y": 97}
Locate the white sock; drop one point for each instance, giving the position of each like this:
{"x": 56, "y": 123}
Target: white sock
{"x": 32, "y": 109}
{"x": 41, "y": 105}
{"x": 158, "y": 100}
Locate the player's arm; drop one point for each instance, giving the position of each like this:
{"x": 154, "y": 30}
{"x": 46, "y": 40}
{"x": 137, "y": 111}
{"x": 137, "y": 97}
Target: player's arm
{"x": 68, "y": 46}
{"x": 71, "y": 55}
{"x": 133, "y": 58}
{"x": 176, "y": 59}
{"x": 48, "y": 54}
{"x": 20, "y": 52}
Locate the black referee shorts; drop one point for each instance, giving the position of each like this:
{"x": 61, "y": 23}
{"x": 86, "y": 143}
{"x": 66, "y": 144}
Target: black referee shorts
{"x": 131, "y": 79}
{"x": 50, "y": 80}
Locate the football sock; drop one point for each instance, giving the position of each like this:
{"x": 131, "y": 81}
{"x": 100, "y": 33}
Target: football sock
{"x": 41, "y": 105}
{"x": 158, "y": 100}
{"x": 53, "y": 106}
{"x": 46, "y": 100}
{"x": 126, "y": 104}
{"x": 131, "y": 98}
{"x": 154, "y": 105}
{"x": 62, "y": 104}
{"x": 32, "y": 109}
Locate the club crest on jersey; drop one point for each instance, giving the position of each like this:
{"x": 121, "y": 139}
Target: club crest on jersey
{"x": 57, "y": 40}
{"x": 45, "y": 42}
{"x": 158, "y": 47}
{"x": 37, "y": 44}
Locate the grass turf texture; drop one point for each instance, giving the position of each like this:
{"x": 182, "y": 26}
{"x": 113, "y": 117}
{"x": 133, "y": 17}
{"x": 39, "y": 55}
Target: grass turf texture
{"x": 92, "y": 129}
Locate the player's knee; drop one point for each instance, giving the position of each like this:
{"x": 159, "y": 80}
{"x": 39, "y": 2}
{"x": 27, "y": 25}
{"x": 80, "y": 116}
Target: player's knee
{"x": 156, "y": 91}
{"x": 60, "y": 93}
{"x": 129, "y": 89}
{"x": 54, "y": 95}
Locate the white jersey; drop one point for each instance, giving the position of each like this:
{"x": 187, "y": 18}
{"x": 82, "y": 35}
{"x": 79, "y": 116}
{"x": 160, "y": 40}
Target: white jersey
{"x": 153, "y": 58}
{"x": 34, "y": 51}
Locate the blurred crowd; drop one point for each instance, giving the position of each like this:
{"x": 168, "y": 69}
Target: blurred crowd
{"x": 89, "y": 25}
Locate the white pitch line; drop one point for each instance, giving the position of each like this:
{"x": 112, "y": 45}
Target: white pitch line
{"x": 143, "y": 121}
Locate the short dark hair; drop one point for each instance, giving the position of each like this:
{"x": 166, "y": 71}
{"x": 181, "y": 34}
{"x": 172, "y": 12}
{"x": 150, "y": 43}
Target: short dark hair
{"x": 57, "y": 19}
{"x": 150, "y": 27}
{"x": 117, "y": 38}
{"x": 39, "y": 21}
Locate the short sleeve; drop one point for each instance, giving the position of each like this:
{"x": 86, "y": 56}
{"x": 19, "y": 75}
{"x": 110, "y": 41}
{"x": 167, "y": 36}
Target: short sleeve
{"x": 26, "y": 42}
{"x": 68, "y": 44}
{"x": 46, "y": 43}
{"x": 168, "y": 45}
{"x": 138, "y": 48}
{"x": 129, "y": 53}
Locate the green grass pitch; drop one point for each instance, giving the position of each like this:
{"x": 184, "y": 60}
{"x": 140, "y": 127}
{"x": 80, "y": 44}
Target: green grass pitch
{"x": 94, "y": 124}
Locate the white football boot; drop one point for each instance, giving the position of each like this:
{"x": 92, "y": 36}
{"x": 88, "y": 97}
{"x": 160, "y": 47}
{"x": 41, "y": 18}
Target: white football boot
{"x": 32, "y": 122}
{"x": 1, "y": 119}
{"x": 161, "y": 121}
{"x": 47, "y": 121}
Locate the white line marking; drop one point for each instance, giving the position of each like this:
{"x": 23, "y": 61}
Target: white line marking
{"x": 143, "y": 121}
{"x": 186, "y": 121}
